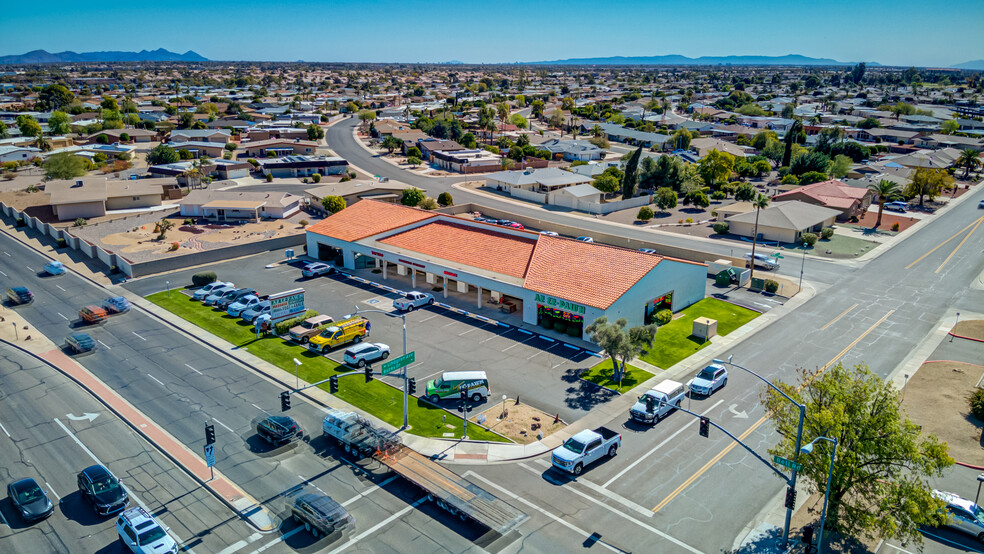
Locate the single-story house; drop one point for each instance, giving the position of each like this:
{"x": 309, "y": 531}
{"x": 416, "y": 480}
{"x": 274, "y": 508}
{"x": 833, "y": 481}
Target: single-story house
{"x": 849, "y": 201}
{"x": 18, "y": 153}
{"x": 783, "y": 221}
{"x": 573, "y": 150}
{"x": 303, "y": 166}
{"x": 950, "y": 141}
{"x": 231, "y": 205}
{"x": 703, "y": 147}
{"x": 199, "y": 148}
{"x": 94, "y": 196}
{"x": 467, "y": 161}
{"x": 386, "y": 127}
{"x": 354, "y": 191}
{"x": 113, "y": 135}
{"x": 887, "y": 135}
{"x": 220, "y": 136}
{"x": 541, "y": 181}
{"x": 215, "y": 167}
{"x": 279, "y": 147}
{"x": 430, "y": 145}
{"x": 268, "y": 133}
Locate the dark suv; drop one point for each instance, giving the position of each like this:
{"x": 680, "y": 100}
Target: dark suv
{"x": 102, "y": 490}
{"x": 319, "y": 514}
{"x": 278, "y": 430}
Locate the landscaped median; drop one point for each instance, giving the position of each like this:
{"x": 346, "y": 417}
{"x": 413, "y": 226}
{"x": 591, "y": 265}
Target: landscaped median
{"x": 603, "y": 375}
{"x": 375, "y": 397}
{"x": 675, "y": 341}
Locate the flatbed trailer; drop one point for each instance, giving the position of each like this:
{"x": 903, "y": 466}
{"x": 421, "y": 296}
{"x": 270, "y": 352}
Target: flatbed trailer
{"x": 452, "y": 492}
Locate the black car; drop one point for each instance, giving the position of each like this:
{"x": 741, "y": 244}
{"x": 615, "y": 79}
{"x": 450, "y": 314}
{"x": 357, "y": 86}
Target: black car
{"x": 102, "y": 490}
{"x": 30, "y": 500}
{"x": 279, "y": 430}
{"x": 320, "y": 514}
{"x": 19, "y": 295}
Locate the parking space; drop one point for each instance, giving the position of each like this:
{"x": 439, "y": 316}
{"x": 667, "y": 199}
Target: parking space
{"x": 540, "y": 370}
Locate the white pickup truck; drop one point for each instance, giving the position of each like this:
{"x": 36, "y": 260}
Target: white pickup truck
{"x": 585, "y": 448}
{"x": 413, "y": 299}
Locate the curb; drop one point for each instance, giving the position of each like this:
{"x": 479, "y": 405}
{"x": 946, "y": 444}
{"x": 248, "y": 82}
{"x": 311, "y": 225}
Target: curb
{"x": 952, "y": 334}
{"x": 205, "y": 484}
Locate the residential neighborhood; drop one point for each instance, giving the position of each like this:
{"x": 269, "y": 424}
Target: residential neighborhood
{"x": 381, "y": 299}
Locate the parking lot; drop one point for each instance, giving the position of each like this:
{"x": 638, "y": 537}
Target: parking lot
{"x": 541, "y": 371}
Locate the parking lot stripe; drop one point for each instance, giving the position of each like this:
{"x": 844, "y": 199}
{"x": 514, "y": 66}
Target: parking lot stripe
{"x": 429, "y": 318}
{"x": 63, "y": 290}
{"x": 29, "y": 268}
{"x": 542, "y": 351}
{"x": 531, "y": 337}
{"x": 62, "y": 316}
{"x": 135, "y": 333}
{"x": 4, "y": 274}
{"x": 193, "y": 369}
{"x": 449, "y": 324}
{"x": 52, "y": 491}
{"x": 379, "y": 526}
{"x": 658, "y": 446}
{"x": 470, "y": 330}
{"x": 571, "y": 346}
{"x": 558, "y": 519}
{"x": 5, "y": 430}
{"x": 104, "y": 344}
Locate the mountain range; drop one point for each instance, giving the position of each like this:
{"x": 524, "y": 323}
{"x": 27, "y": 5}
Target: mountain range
{"x": 159, "y": 55}
{"x": 675, "y": 59}
{"x": 974, "y": 64}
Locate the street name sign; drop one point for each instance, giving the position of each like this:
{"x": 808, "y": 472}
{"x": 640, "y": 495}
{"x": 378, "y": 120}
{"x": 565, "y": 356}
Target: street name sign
{"x": 397, "y": 363}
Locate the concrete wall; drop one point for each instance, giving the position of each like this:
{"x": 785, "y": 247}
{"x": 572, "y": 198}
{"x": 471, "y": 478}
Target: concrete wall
{"x": 68, "y": 212}
{"x": 768, "y": 233}
{"x": 527, "y": 195}
{"x": 139, "y": 269}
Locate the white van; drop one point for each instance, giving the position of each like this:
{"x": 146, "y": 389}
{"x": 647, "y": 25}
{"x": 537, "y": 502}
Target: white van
{"x": 451, "y": 383}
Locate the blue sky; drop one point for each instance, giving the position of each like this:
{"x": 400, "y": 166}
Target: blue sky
{"x": 895, "y": 32}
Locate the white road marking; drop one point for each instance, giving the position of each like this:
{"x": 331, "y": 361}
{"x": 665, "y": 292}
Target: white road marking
{"x": 280, "y": 539}
{"x": 354, "y": 293}
{"x": 623, "y": 515}
{"x": 259, "y": 408}
{"x": 539, "y": 509}
{"x": 368, "y": 491}
{"x": 429, "y": 318}
{"x": 156, "y": 379}
{"x": 138, "y": 336}
{"x": 542, "y": 351}
{"x": 5, "y": 253}
{"x": 641, "y": 510}
{"x": 104, "y": 344}
{"x": 237, "y": 546}
{"x": 937, "y": 537}
{"x": 449, "y": 324}
{"x": 128, "y": 489}
{"x": 62, "y": 316}
{"x": 531, "y": 337}
{"x": 658, "y": 446}
{"x": 193, "y": 369}
{"x": 29, "y": 268}
{"x": 378, "y": 526}
{"x": 4, "y": 274}
{"x": 224, "y": 425}
{"x": 472, "y": 329}
{"x": 483, "y": 341}
{"x": 52, "y": 490}
{"x": 897, "y": 548}
{"x": 59, "y": 286}
{"x": 4, "y": 430}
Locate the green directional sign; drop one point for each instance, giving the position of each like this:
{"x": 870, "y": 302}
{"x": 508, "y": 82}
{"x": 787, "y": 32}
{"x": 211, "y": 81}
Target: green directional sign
{"x": 787, "y": 463}
{"x": 397, "y": 363}
{"x": 779, "y": 256}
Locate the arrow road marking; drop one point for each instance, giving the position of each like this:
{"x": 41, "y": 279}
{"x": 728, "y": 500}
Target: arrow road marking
{"x": 83, "y": 417}
{"x": 740, "y": 415}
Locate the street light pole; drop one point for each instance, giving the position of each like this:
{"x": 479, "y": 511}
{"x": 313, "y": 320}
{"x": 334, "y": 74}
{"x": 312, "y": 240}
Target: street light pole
{"x": 297, "y": 381}
{"x": 406, "y": 368}
{"x": 802, "y": 267}
{"x": 826, "y": 494}
{"x": 799, "y": 438}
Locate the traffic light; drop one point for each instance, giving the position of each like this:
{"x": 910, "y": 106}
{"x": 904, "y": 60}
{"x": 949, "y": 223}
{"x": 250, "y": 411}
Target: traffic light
{"x": 209, "y": 434}
{"x": 333, "y": 384}
{"x": 411, "y": 385}
{"x": 368, "y": 371}
{"x": 705, "y": 426}
{"x": 807, "y": 534}
{"x": 650, "y": 404}
{"x": 463, "y": 401}
{"x": 284, "y": 401}
{"x": 790, "y": 498}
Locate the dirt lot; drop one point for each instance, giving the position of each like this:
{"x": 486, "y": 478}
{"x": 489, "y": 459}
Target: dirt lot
{"x": 888, "y": 219}
{"x": 936, "y": 399}
{"x": 972, "y": 328}
{"x": 519, "y": 420}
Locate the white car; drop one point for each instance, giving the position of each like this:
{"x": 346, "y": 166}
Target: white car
{"x": 143, "y": 534}
{"x": 317, "y": 269}
{"x": 210, "y": 289}
{"x": 238, "y": 307}
{"x": 251, "y": 314}
{"x": 413, "y": 299}
{"x": 897, "y": 206}
{"x": 366, "y": 353}
{"x": 710, "y": 379}
{"x": 550, "y": 233}
{"x": 763, "y": 261}
{"x": 964, "y": 514}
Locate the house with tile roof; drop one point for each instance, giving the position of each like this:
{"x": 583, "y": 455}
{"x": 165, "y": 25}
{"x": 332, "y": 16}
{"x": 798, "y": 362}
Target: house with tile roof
{"x": 535, "y": 279}
{"x": 849, "y": 201}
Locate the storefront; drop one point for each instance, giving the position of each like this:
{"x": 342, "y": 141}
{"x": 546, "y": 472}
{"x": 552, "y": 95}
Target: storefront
{"x": 558, "y": 284}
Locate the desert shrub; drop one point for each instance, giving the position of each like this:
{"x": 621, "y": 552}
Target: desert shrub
{"x": 895, "y": 227}
{"x": 771, "y": 286}
{"x": 444, "y": 199}
{"x": 722, "y": 227}
{"x": 203, "y": 278}
{"x": 790, "y": 180}
{"x": 560, "y": 326}
{"x": 303, "y": 222}
{"x": 185, "y": 154}
{"x": 722, "y": 279}
{"x": 189, "y": 221}
{"x": 345, "y": 179}
{"x": 10, "y": 166}
{"x": 9, "y": 175}
{"x": 645, "y": 213}
{"x": 316, "y": 177}
{"x": 428, "y": 204}
{"x": 124, "y": 137}
{"x": 976, "y": 401}
{"x": 282, "y": 327}
{"x": 690, "y": 220}
{"x": 253, "y": 162}
{"x": 61, "y": 243}
{"x": 826, "y": 233}
{"x": 719, "y": 195}
{"x": 79, "y": 222}
{"x": 663, "y": 317}
{"x": 269, "y": 178}
{"x": 809, "y": 238}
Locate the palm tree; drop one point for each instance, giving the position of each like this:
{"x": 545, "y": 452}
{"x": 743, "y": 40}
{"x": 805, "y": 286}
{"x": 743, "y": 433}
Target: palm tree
{"x": 761, "y": 201}
{"x": 884, "y": 190}
{"x": 41, "y": 142}
{"x": 969, "y": 159}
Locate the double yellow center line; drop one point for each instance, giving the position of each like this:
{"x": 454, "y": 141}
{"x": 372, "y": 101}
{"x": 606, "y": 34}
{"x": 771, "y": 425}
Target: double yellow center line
{"x": 974, "y": 224}
{"x": 764, "y": 418}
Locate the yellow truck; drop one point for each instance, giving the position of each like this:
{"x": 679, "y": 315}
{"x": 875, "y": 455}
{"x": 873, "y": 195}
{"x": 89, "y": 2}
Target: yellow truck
{"x": 342, "y": 332}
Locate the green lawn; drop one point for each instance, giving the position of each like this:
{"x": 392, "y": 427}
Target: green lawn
{"x": 674, "y": 341}
{"x": 375, "y": 397}
{"x": 839, "y": 246}
{"x": 602, "y": 373}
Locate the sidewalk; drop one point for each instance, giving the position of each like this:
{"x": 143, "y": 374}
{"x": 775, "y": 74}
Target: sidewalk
{"x": 39, "y": 347}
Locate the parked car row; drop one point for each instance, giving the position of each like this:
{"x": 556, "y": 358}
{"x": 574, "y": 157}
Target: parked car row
{"x": 244, "y": 303}
{"x": 503, "y": 222}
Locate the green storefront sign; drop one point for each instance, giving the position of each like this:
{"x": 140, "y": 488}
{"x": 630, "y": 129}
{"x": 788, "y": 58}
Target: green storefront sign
{"x": 560, "y": 304}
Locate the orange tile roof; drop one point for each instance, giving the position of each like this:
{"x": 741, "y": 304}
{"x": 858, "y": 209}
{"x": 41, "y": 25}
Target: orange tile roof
{"x": 366, "y": 218}
{"x": 486, "y": 249}
{"x": 586, "y": 273}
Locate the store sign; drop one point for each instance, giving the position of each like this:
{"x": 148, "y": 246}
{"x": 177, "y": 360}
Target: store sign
{"x": 284, "y": 305}
{"x": 560, "y": 304}
{"x": 448, "y": 273}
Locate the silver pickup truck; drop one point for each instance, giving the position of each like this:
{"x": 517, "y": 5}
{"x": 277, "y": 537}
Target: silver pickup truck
{"x": 585, "y": 448}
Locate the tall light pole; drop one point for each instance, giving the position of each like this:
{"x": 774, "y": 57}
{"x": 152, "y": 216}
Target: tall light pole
{"x": 799, "y": 438}
{"x": 802, "y": 267}
{"x": 297, "y": 382}
{"x": 826, "y": 493}
{"x": 406, "y": 393}
{"x": 168, "y": 285}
